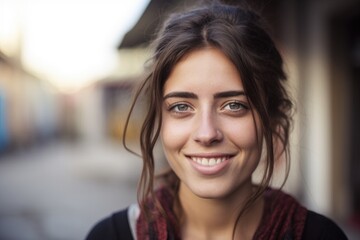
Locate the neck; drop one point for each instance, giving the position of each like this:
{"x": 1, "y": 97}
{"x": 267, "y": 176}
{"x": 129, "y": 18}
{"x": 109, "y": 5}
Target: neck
{"x": 204, "y": 218}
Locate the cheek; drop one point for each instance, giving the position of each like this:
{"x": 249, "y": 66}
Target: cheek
{"x": 174, "y": 134}
{"x": 243, "y": 133}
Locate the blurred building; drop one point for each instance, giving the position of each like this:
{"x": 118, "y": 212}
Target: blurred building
{"x": 29, "y": 107}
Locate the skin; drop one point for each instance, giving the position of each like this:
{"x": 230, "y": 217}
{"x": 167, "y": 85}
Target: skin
{"x": 207, "y": 121}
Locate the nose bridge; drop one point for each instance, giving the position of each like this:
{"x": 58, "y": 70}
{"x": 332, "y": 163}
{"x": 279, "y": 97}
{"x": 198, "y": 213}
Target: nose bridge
{"x": 207, "y": 130}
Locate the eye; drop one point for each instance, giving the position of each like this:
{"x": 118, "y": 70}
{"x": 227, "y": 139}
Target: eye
{"x": 180, "y": 108}
{"x": 234, "y": 106}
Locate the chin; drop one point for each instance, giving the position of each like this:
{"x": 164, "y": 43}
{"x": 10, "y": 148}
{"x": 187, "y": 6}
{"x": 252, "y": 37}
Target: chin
{"x": 208, "y": 189}
{"x": 210, "y": 192}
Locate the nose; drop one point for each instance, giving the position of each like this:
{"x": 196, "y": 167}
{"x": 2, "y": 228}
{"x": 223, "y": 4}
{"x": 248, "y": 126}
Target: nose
{"x": 207, "y": 130}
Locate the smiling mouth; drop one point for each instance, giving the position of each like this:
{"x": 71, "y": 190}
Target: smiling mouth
{"x": 212, "y": 161}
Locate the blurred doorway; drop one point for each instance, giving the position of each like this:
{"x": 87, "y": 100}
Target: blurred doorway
{"x": 354, "y": 36}
{"x": 344, "y": 35}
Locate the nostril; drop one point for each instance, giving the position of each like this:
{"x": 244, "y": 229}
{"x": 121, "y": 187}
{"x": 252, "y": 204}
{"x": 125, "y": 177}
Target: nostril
{"x": 208, "y": 137}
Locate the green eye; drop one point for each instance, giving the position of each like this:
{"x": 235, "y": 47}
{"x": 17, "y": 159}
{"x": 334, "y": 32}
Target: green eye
{"x": 180, "y": 108}
{"x": 234, "y": 106}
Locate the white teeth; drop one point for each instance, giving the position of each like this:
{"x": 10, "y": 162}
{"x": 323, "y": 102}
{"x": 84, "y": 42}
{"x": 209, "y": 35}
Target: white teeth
{"x": 212, "y": 161}
{"x": 204, "y": 161}
{"x": 208, "y": 161}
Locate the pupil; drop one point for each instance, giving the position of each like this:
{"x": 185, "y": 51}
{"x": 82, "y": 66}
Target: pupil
{"x": 233, "y": 105}
{"x": 182, "y": 107}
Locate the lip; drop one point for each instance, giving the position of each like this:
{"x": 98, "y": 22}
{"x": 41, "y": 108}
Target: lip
{"x": 212, "y": 163}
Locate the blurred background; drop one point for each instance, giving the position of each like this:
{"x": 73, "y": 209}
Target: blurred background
{"x": 67, "y": 72}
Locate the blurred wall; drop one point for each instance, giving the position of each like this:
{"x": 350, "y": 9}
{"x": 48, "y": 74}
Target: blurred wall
{"x": 318, "y": 40}
{"x": 29, "y": 107}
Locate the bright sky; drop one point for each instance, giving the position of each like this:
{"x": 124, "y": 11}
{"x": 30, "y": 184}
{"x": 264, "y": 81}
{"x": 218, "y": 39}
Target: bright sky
{"x": 68, "y": 42}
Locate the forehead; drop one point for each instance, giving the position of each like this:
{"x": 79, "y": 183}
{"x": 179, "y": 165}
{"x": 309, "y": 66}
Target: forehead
{"x": 204, "y": 69}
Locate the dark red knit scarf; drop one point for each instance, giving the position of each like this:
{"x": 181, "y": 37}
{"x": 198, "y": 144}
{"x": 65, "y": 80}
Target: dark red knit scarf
{"x": 283, "y": 218}
{"x": 161, "y": 228}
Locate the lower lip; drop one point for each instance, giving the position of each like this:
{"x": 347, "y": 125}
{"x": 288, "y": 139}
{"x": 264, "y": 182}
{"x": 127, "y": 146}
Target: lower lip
{"x": 209, "y": 170}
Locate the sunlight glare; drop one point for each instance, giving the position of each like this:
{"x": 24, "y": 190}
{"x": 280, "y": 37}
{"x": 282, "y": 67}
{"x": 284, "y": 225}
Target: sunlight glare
{"x": 73, "y": 43}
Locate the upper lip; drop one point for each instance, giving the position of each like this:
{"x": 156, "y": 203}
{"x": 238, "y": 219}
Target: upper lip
{"x": 209, "y": 155}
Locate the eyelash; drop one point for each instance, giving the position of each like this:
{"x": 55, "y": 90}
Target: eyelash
{"x": 240, "y": 105}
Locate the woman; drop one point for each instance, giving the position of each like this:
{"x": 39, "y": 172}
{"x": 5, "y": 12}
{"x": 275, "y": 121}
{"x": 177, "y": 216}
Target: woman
{"x": 218, "y": 104}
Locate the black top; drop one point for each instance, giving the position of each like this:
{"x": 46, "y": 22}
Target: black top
{"x": 116, "y": 227}
{"x": 320, "y": 227}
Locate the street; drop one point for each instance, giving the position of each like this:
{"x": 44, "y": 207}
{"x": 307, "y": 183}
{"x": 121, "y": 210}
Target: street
{"x": 60, "y": 190}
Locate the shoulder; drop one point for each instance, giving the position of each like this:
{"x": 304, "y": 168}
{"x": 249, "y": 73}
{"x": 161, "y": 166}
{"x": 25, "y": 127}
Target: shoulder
{"x": 119, "y": 225}
{"x": 318, "y": 226}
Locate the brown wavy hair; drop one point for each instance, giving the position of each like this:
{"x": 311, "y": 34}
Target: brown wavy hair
{"x": 241, "y": 35}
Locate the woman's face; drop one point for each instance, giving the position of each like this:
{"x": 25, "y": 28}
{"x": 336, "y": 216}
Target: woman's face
{"x": 208, "y": 131}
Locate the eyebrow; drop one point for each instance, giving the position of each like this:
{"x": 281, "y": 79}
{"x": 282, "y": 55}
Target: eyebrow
{"x": 181, "y": 95}
{"x": 194, "y": 96}
{"x": 229, "y": 94}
